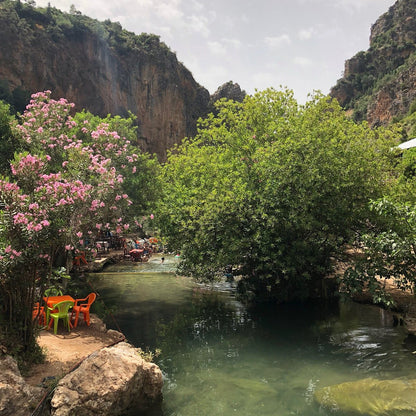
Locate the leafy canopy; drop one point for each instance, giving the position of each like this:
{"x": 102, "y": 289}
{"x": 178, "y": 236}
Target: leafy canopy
{"x": 388, "y": 243}
{"x": 273, "y": 188}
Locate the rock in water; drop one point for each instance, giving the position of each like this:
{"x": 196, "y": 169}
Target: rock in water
{"x": 112, "y": 381}
{"x": 370, "y": 397}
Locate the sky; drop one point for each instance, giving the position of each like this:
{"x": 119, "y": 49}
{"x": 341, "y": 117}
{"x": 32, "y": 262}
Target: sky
{"x": 298, "y": 44}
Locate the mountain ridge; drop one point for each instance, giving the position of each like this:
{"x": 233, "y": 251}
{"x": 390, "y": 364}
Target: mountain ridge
{"x": 100, "y": 67}
{"x": 379, "y": 85}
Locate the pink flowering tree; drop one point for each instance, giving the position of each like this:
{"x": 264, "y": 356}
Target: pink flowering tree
{"x": 116, "y": 137}
{"x": 63, "y": 190}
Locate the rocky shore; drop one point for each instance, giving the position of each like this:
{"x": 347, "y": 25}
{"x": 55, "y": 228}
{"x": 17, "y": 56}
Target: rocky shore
{"x": 90, "y": 371}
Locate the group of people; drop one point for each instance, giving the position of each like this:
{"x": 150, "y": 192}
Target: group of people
{"x": 139, "y": 250}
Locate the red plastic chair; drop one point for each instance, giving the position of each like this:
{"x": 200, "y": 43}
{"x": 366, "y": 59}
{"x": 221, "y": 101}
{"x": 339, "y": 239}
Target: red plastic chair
{"x": 83, "y": 305}
{"x": 38, "y": 313}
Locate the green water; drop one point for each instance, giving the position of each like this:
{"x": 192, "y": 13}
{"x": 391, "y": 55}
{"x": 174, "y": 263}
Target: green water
{"x": 219, "y": 358}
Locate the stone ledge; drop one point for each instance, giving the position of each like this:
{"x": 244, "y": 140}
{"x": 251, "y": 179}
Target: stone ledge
{"x": 110, "y": 382}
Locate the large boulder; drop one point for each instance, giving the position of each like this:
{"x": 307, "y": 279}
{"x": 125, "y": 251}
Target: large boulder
{"x": 16, "y": 397}
{"x": 370, "y": 397}
{"x": 113, "y": 381}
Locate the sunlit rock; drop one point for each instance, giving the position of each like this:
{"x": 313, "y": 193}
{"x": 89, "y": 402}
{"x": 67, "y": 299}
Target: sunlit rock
{"x": 370, "y": 397}
{"x": 112, "y": 381}
{"x": 16, "y": 397}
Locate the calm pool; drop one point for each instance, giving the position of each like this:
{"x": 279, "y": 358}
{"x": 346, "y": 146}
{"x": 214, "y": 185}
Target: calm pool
{"x": 220, "y": 358}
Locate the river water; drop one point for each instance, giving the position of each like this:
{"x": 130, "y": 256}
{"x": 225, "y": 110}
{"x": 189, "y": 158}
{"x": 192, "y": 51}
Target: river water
{"x": 220, "y": 358}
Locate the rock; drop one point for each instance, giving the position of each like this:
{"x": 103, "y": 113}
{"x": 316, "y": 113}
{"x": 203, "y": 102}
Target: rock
{"x": 113, "y": 334}
{"x": 16, "y": 397}
{"x": 112, "y": 381}
{"x": 379, "y": 84}
{"x": 370, "y": 397}
{"x": 102, "y": 68}
{"x": 99, "y": 325}
{"x": 229, "y": 90}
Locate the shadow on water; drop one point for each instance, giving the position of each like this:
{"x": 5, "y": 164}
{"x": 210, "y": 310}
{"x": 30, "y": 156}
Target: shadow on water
{"x": 220, "y": 358}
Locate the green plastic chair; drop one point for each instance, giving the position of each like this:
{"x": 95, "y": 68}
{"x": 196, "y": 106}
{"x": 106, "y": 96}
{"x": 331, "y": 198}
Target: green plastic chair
{"x": 53, "y": 291}
{"x": 60, "y": 311}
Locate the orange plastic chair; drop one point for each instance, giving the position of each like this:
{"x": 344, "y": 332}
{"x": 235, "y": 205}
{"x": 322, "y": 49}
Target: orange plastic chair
{"x": 38, "y": 313}
{"x": 62, "y": 309}
{"x": 83, "y": 305}
{"x": 80, "y": 258}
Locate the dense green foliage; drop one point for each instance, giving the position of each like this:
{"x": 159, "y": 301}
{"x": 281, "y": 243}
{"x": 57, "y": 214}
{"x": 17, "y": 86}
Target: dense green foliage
{"x": 73, "y": 24}
{"x": 408, "y": 123}
{"x": 273, "y": 188}
{"x": 388, "y": 243}
{"x": 17, "y": 97}
{"x": 388, "y": 252}
{"x": 8, "y": 145}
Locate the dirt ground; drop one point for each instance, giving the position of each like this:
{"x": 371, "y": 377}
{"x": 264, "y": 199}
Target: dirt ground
{"x": 67, "y": 349}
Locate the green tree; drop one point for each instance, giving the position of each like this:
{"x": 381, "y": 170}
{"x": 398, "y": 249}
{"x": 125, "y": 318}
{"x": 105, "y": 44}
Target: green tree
{"x": 388, "y": 243}
{"x": 388, "y": 252}
{"x": 8, "y": 145}
{"x": 141, "y": 171}
{"x": 273, "y": 188}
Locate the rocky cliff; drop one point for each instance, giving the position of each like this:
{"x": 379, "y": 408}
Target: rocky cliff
{"x": 380, "y": 83}
{"x": 102, "y": 68}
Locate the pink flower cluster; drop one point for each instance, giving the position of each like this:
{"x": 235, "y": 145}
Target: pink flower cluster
{"x": 27, "y": 164}
{"x": 67, "y": 188}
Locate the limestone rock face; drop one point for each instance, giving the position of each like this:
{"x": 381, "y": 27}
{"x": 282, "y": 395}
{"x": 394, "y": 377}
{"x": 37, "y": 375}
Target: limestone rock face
{"x": 113, "y": 381}
{"x": 16, "y": 397}
{"x": 370, "y": 397}
{"x": 379, "y": 84}
{"x": 102, "y": 68}
{"x": 394, "y": 99}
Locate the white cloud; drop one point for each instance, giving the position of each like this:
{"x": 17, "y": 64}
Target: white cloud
{"x": 169, "y": 10}
{"x": 262, "y": 80}
{"x": 302, "y": 61}
{"x": 277, "y": 41}
{"x": 244, "y": 19}
{"x": 234, "y": 43}
{"x": 217, "y": 48}
{"x": 213, "y": 76}
{"x": 354, "y": 6}
{"x": 197, "y": 5}
{"x": 199, "y": 24}
{"x": 306, "y": 34}
{"x": 223, "y": 47}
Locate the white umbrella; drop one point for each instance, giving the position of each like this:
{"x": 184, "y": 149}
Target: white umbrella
{"x": 407, "y": 145}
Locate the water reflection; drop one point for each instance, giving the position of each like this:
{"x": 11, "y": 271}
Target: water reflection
{"x": 219, "y": 358}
